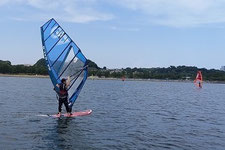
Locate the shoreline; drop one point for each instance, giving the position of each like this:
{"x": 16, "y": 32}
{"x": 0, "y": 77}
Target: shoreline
{"x": 24, "y": 75}
{"x": 155, "y": 80}
{"x": 97, "y": 78}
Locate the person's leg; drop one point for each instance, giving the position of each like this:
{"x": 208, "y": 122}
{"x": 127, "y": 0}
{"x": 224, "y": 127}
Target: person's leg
{"x": 68, "y": 109}
{"x": 66, "y": 105}
{"x": 60, "y": 105}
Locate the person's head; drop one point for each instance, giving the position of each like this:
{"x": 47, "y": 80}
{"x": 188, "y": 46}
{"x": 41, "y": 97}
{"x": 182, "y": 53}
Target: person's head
{"x": 63, "y": 80}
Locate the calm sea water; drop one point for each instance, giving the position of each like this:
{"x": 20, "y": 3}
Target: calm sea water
{"x": 126, "y": 115}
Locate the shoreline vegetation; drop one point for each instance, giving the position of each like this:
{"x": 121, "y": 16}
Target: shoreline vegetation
{"x": 170, "y": 74}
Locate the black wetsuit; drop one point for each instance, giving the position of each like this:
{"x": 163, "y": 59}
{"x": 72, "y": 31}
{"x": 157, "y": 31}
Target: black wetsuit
{"x": 63, "y": 98}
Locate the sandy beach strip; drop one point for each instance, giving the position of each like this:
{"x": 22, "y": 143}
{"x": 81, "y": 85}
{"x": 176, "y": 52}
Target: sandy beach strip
{"x": 24, "y": 75}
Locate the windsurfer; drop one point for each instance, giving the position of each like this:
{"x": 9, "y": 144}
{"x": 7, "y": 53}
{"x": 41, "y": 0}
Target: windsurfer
{"x": 198, "y": 79}
{"x": 63, "y": 95}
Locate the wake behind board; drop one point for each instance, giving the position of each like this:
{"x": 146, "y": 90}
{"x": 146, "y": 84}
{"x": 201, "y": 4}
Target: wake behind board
{"x": 74, "y": 114}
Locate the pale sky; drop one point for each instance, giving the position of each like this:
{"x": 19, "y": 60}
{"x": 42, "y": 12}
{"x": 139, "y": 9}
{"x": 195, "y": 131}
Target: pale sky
{"x": 120, "y": 33}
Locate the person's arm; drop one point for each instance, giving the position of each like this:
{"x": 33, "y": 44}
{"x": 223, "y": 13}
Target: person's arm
{"x": 57, "y": 85}
{"x": 68, "y": 82}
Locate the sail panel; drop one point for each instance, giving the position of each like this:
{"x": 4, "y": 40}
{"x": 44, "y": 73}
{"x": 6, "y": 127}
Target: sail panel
{"x": 56, "y": 39}
{"x": 48, "y": 28}
{"x": 46, "y": 25}
{"x": 78, "y": 89}
{"x": 57, "y": 50}
{"x": 59, "y": 61}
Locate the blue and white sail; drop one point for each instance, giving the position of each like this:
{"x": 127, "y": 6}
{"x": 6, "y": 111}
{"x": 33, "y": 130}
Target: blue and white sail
{"x": 63, "y": 58}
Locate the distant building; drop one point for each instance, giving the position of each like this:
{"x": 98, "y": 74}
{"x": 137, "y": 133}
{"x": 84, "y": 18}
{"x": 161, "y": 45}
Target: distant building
{"x": 222, "y": 68}
{"x": 186, "y": 78}
{"x": 27, "y": 65}
{"x": 116, "y": 71}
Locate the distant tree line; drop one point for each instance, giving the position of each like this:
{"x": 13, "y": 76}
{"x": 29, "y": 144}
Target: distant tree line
{"x": 170, "y": 73}
{"x": 38, "y": 68}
